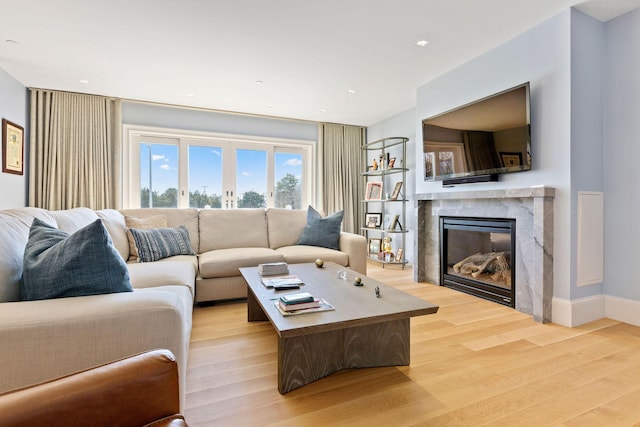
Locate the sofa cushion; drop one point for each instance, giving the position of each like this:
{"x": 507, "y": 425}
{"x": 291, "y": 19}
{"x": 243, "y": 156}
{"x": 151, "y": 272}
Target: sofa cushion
{"x": 300, "y": 254}
{"x": 115, "y": 225}
{"x": 323, "y": 232}
{"x": 156, "y": 221}
{"x": 175, "y": 217}
{"x": 174, "y": 271}
{"x": 57, "y": 264}
{"x": 14, "y": 234}
{"x": 285, "y": 226}
{"x": 158, "y": 243}
{"x": 72, "y": 220}
{"x": 232, "y": 228}
{"x": 226, "y": 262}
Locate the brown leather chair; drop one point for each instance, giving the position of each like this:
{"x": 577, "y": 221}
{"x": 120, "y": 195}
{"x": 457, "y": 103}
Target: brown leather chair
{"x": 141, "y": 390}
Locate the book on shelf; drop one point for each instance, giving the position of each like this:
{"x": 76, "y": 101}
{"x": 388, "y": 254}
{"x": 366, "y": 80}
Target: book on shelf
{"x": 323, "y": 305}
{"x": 283, "y": 282}
{"x": 273, "y": 268}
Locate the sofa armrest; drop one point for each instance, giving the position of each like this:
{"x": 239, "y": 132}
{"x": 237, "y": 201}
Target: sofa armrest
{"x": 355, "y": 246}
{"x": 137, "y": 390}
{"x": 51, "y": 338}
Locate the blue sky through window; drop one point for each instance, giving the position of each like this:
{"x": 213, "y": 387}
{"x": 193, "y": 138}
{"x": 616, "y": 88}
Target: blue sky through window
{"x": 205, "y": 168}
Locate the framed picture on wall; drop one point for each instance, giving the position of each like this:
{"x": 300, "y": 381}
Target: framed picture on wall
{"x": 12, "y": 148}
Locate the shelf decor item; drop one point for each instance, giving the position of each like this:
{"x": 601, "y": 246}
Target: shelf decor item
{"x": 374, "y": 190}
{"x": 373, "y": 220}
{"x": 374, "y": 246}
{"x": 396, "y": 191}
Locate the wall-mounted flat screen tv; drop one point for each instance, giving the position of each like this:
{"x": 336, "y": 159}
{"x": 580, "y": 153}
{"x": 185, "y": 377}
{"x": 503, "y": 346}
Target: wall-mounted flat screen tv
{"x": 479, "y": 141}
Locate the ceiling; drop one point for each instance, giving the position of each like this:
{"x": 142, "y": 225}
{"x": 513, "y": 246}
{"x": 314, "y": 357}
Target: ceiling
{"x": 344, "y": 61}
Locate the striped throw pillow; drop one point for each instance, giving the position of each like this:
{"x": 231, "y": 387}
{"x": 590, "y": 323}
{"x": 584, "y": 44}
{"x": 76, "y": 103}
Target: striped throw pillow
{"x": 158, "y": 243}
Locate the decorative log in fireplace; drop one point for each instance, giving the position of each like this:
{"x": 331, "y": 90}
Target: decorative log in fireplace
{"x": 477, "y": 256}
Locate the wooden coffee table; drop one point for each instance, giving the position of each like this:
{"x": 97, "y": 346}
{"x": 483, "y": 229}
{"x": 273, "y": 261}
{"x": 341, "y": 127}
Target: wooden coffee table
{"x": 363, "y": 331}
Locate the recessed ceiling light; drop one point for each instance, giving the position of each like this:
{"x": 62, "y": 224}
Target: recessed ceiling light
{"x": 11, "y": 41}
{"x": 322, "y": 110}
{"x": 259, "y": 82}
{"x": 422, "y": 43}
{"x": 351, "y": 91}
{"x": 84, "y": 81}
{"x": 270, "y": 106}
{"x": 190, "y": 95}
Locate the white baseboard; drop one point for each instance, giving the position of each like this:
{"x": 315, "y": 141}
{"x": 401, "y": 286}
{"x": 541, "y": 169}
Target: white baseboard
{"x": 577, "y": 312}
{"x": 573, "y": 313}
{"x": 622, "y": 310}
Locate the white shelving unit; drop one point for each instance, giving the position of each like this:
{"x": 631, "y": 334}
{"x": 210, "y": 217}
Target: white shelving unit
{"x": 384, "y": 201}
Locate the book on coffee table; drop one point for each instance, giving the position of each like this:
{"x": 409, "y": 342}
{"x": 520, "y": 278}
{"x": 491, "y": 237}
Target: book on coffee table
{"x": 323, "y": 305}
{"x": 282, "y": 282}
{"x": 273, "y": 269}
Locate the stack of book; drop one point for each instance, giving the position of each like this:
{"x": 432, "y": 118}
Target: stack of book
{"x": 273, "y": 268}
{"x": 301, "y": 302}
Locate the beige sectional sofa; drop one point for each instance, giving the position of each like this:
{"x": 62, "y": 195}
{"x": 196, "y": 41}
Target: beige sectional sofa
{"x": 49, "y": 338}
{"x": 226, "y": 240}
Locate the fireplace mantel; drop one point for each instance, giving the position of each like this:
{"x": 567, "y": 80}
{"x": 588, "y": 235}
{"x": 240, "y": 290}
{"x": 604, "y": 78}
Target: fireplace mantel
{"x": 532, "y": 208}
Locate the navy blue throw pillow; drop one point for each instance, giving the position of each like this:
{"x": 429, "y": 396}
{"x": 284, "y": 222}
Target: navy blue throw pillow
{"x": 323, "y": 232}
{"x": 58, "y": 264}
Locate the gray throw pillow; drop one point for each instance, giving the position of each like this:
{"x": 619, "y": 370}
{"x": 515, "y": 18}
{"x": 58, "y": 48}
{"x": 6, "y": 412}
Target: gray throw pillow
{"x": 323, "y": 232}
{"x": 158, "y": 243}
{"x": 58, "y": 265}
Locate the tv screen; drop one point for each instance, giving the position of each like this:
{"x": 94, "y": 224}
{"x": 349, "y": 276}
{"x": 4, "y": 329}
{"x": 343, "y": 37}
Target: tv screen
{"x": 487, "y": 137}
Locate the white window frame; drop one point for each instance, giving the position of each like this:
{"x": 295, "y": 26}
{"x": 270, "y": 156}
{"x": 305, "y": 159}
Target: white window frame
{"x": 132, "y": 135}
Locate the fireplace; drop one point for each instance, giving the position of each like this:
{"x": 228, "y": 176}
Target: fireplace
{"x": 532, "y": 210}
{"x": 477, "y": 256}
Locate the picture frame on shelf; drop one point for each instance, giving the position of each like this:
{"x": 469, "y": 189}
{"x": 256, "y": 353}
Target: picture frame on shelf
{"x": 373, "y": 220}
{"x": 393, "y": 222}
{"x": 374, "y": 245}
{"x": 399, "y": 254}
{"x": 12, "y": 148}
{"x": 387, "y": 221}
{"x": 374, "y": 190}
{"x": 392, "y": 162}
{"x": 396, "y": 191}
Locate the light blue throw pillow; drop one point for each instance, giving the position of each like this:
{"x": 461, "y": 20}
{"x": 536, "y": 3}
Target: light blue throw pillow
{"x": 323, "y": 232}
{"x": 58, "y": 265}
{"x": 158, "y": 243}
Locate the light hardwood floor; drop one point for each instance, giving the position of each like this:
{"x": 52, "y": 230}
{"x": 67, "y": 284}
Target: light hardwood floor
{"x": 473, "y": 363}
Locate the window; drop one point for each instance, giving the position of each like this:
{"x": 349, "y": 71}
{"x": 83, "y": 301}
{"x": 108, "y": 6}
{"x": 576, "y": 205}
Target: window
{"x": 288, "y": 179}
{"x": 189, "y": 169}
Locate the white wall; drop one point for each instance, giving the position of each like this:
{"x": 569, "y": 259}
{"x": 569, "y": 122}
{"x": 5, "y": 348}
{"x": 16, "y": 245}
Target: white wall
{"x": 13, "y": 107}
{"x": 219, "y": 122}
{"x": 587, "y": 51}
{"x": 542, "y": 57}
{"x": 622, "y": 156}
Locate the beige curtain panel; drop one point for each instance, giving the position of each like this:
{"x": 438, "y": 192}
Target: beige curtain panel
{"x": 342, "y": 163}
{"x": 75, "y": 151}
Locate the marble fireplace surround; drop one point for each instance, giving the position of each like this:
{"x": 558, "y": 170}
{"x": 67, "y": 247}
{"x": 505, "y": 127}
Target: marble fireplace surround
{"x": 532, "y": 208}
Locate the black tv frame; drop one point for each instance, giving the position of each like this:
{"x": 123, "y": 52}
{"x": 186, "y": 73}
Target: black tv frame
{"x": 450, "y": 182}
